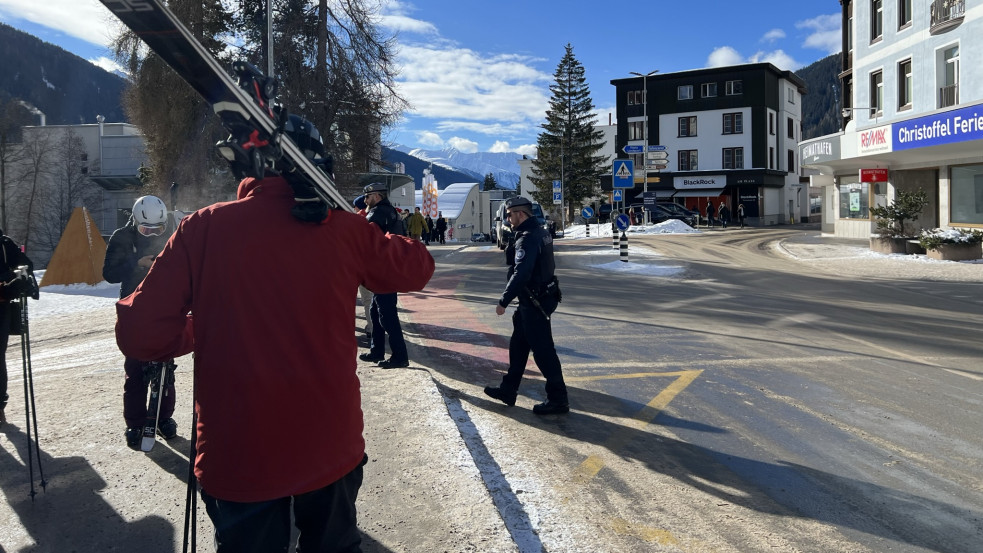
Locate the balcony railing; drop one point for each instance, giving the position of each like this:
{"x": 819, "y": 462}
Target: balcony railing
{"x": 948, "y": 96}
{"x": 946, "y": 14}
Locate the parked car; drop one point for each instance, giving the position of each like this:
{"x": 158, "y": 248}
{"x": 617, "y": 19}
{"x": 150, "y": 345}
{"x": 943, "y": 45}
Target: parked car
{"x": 673, "y": 207}
{"x": 659, "y": 214}
{"x": 503, "y": 232}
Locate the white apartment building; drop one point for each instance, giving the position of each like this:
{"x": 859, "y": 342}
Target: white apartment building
{"x": 912, "y": 115}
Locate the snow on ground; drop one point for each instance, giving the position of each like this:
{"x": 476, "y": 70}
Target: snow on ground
{"x": 671, "y": 226}
{"x": 60, "y": 299}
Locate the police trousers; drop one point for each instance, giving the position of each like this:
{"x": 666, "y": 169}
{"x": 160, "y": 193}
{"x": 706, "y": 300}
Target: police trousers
{"x": 532, "y": 332}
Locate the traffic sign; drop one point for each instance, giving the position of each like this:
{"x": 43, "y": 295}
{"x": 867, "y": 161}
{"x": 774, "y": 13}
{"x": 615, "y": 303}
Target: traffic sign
{"x": 557, "y": 192}
{"x": 658, "y": 166}
{"x": 622, "y": 222}
{"x": 617, "y": 196}
{"x": 657, "y": 148}
{"x": 657, "y": 155}
{"x": 623, "y": 174}
{"x": 587, "y": 212}
{"x": 557, "y": 186}
{"x": 633, "y": 149}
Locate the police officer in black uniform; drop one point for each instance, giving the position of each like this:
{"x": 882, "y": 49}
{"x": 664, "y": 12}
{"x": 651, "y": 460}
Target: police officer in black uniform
{"x": 531, "y": 280}
{"x": 385, "y": 318}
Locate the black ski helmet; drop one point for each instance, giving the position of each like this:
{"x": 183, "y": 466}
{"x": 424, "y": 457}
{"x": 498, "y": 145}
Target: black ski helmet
{"x": 305, "y": 136}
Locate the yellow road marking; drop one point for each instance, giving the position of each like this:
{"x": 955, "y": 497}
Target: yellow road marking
{"x": 593, "y": 464}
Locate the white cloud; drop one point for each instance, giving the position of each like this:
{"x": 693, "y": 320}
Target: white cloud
{"x": 826, "y": 33}
{"x": 428, "y": 138}
{"x": 724, "y": 56}
{"x": 500, "y": 147}
{"x": 107, "y": 64}
{"x": 773, "y": 35}
{"x": 87, "y": 20}
{"x": 463, "y": 145}
{"x": 778, "y": 58}
{"x": 527, "y": 150}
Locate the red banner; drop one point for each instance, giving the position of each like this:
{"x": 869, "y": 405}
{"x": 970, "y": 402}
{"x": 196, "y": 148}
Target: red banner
{"x": 873, "y": 175}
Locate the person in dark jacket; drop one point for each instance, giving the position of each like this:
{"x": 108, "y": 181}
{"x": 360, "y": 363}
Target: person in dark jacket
{"x": 385, "y": 317}
{"x": 710, "y": 212}
{"x": 531, "y": 280}
{"x": 12, "y": 286}
{"x": 441, "y": 226}
{"x": 130, "y": 253}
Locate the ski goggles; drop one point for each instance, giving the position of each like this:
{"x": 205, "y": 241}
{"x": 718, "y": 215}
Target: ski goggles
{"x": 150, "y": 230}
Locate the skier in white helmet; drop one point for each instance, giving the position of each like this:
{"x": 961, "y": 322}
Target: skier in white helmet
{"x": 129, "y": 255}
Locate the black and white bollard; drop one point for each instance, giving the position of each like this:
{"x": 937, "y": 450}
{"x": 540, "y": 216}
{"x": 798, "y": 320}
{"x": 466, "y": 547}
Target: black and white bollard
{"x": 624, "y": 247}
{"x": 587, "y": 226}
{"x": 614, "y": 237}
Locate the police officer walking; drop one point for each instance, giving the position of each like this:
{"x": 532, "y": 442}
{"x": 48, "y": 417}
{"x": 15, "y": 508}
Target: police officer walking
{"x": 385, "y": 318}
{"x": 531, "y": 280}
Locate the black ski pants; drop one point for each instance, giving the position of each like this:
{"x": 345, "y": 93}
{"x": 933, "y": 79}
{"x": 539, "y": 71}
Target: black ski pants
{"x": 135, "y": 388}
{"x": 4, "y": 339}
{"x": 385, "y": 321}
{"x": 531, "y": 331}
{"x": 326, "y": 519}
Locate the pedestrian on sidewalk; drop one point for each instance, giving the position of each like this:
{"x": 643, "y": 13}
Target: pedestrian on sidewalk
{"x": 740, "y": 214}
{"x": 261, "y": 291}
{"x": 11, "y": 287}
{"x": 385, "y": 316}
{"x": 531, "y": 279}
{"x": 710, "y": 214}
{"x": 131, "y": 251}
{"x": 723, "y": 213}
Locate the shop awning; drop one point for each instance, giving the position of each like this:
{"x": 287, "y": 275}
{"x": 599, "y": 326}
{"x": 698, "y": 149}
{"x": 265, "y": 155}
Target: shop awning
{"x": 698, "y": 193}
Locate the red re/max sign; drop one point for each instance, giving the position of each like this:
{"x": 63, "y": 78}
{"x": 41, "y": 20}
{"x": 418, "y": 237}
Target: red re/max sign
{"x": 873, "y": 175}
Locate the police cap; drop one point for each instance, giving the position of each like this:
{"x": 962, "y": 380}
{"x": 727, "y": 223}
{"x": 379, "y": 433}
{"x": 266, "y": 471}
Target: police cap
{"x": 521, "y": 203}
{"x": 375, "y": 187}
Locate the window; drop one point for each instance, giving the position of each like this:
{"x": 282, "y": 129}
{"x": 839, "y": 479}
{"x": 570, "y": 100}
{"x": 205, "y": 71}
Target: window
{"x": 688, "y": 160}
{"x": 733, "y": 158}
{"x": 684, "y": 92}
{"x": 876, "y": 19}
{"x": 733, "y": 123}
{"x": 708, "y": 90}
{"x": 734, "y": 87}
{"x": 791, "y": 95}
{"x": 791, "y": 161}
{"x": 854, "y": 201}
{"x": 790, "y": 128}
{"x": 771, "y": 123}
{"x": 904, "y": 84}
{"x": 635, "y": 98}
{"x": 636, "y": 130}
{"x": 687, "y": 126}
{"x": 966, "y": 194}
{"x": 877, "y": 91}
{"x": 949, "y": 85}
{"x": 771, "y": 157}
{"x": 904, "y": 13}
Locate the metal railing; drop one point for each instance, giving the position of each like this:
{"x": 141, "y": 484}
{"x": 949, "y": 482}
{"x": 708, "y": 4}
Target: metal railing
{"x": 946, "y": 14}
{"x": 948, "y": 96}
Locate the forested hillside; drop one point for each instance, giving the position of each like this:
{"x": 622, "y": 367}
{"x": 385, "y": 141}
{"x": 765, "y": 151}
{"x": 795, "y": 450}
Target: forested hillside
{"x": 65, "y": 87}
{"x": 821, "y": 106}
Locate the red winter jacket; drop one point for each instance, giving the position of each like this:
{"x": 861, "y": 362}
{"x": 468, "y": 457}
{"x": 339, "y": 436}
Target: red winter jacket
{"x": 273, "y": 304}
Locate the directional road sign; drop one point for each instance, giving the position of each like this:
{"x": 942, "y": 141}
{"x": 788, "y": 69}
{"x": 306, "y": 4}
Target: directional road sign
{"x": 657, "y": 155}
{"x": 587, "y": 212}
{"x": 637, "y": 149}
{"x": 656, "y": 148}
{"x": 622, "y": 222}
{"x": 623, "y": 173}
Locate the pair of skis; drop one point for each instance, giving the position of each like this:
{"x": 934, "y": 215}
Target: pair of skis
{"x": 160, "y": 375}
{"x": 245, "y": 105}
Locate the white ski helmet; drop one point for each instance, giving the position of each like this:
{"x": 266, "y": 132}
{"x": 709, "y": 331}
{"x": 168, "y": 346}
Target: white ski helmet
{"x": 150, "y": 211}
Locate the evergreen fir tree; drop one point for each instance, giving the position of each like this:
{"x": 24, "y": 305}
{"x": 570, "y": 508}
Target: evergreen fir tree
{"x": 569, "y": 144}
{"x": 490, "y": 182}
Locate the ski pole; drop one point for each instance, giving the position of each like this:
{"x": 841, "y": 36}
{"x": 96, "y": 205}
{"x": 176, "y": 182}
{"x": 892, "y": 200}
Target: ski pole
{"x": 30, "y": 408}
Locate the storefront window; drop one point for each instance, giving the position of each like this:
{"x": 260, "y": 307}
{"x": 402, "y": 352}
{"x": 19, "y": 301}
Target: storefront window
{"x": 854, "y": 202}
{"x": 966, "y": 193}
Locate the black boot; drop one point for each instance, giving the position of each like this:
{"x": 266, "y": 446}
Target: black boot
{"x": 551, "y": 407}
{"x": 501, "y": 394}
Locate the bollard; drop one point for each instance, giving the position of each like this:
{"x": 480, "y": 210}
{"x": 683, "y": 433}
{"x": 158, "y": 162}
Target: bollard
{"x": 624, "y": 247}
{"x": 614, "y": 237}
{"x": 587, "y": 226}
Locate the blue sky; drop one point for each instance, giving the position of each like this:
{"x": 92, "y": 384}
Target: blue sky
{"x": 477, "y": 74}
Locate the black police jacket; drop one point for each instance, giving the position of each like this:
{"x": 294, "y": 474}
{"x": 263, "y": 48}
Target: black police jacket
{"x": 126, "y": 247}
{"x": 384, "y": 215}
{"x": 531, "y": 266}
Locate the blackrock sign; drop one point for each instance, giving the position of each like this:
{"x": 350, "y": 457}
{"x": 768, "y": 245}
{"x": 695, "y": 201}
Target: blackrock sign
{"x": 699, "y": 183}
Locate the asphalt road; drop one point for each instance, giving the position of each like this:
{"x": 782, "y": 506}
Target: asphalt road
{"x": 746, "y": 402}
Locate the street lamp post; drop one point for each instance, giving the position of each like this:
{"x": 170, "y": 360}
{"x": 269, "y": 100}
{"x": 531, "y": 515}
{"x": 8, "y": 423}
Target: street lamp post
{"x": 645, "y": 134}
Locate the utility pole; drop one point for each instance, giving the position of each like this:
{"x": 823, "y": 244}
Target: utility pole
{"x": 645, "y": 134}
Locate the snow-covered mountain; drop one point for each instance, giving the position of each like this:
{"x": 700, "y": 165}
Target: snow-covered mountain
{"x": 503, "y": 166}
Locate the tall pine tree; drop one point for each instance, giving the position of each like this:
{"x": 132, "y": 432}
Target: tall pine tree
{"x": 569, "y": 144}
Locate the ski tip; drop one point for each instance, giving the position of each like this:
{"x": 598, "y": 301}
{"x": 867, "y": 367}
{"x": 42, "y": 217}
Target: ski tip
{"x": 147, "y": 444}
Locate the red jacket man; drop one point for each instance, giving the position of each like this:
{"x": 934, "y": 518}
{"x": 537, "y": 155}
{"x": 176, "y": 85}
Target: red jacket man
{"x": 270, "y": 298}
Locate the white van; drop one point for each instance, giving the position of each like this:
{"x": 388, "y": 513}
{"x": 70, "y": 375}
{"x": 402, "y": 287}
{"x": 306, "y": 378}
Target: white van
{"x": 503, "y": 232}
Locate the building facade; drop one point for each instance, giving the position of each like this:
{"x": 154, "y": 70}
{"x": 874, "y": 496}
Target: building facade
{"x": 723, "y": 135}
{"x": 912, "y": 116}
